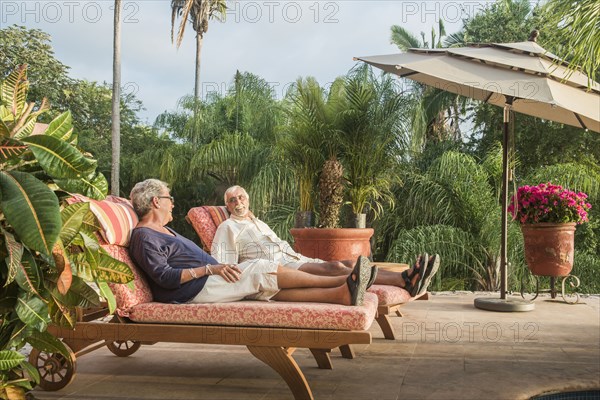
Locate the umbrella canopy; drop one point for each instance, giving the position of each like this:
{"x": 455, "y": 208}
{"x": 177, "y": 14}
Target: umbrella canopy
{"x": 537, "y": 81}
{"x": 520, "y": 76}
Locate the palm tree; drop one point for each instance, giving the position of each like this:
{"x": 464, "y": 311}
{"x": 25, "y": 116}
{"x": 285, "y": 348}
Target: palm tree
{"x": 436, "y": 114}
{"x": 579, "y": 26}
{"x": 198, "y": 12}
{"x": 116, "y": 103}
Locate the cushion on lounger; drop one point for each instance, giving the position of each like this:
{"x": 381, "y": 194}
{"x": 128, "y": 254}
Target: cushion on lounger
{"x": 205, "y": 221}
{"x": 390, "y": 295}
{"x": 262, "y": 313}
{"x": 126, "y": 297}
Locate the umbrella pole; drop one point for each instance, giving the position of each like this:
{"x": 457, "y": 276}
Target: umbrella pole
{"x": 504, "y": 239}
{"x": 504, "y": 304}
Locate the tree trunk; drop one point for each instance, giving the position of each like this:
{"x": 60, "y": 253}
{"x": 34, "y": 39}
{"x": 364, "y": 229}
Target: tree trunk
{"x": 116, "y": 103}
{"x": 199, "y": 40}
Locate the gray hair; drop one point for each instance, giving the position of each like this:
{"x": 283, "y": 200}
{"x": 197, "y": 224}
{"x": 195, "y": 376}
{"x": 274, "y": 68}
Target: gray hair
{"x": 142, "y": 194}
{"x": 233, "y": 189}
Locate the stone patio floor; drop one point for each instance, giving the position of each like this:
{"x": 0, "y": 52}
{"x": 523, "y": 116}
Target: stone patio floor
{"x": 445, "y": 349}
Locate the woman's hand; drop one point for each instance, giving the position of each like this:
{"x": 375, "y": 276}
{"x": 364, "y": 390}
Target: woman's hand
{"x": 229, "y": 272}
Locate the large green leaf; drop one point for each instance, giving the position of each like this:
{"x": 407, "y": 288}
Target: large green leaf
{"x": 108, "y": 295}
{"x": 29, "y": 275}
{"x": 10, "y": 148}
{"x": 104, "y": 267}
{"x": 14, "y": 90}
{"x": 33, "y": 311}
{"x": 8, "y": 297}
{"x": 10, "y": 359}
{"x": 80, "y": 265}
{"x": 79, "y": 295}
{"x": 59, "y": 159}
{"x": 48, "y": 343}
{"x": 13, "y": 260}
{"x": 93, "y": 186}
{"x": 61, "y": 314}
{"x": 32, "y": 373}
{"x": 31, "y": 208}
{"x": 72, "y": 219}
{"x": 61, "y": 127}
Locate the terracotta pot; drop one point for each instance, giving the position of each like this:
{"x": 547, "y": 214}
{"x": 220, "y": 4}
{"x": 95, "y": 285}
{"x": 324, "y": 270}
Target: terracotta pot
{"x": 549, "y": 248}
{"x": 332, "y": 244}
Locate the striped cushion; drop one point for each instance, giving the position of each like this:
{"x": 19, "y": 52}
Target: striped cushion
{"x": 115, "y": 215}
{"x": 205, "y": 221}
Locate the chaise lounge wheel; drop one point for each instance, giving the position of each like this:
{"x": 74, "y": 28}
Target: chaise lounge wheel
{"x": 56, "y": 371}
{"x": 123, "y": 348}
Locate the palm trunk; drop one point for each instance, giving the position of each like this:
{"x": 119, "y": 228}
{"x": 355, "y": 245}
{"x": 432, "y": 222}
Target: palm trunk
{"x": 116, "y": 103}
{"x": 199, "y": 39}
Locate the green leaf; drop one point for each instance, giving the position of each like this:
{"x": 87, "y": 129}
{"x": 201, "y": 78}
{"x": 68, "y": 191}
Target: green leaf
{"x": 108, "y": 295}
{"x": 59, "y": 159}
{"x": 8, "y": 297}
{"x": 72, "y": 219}
{"x": 10, "y": 359}
{"x": 79, "y": 295}
{"x": 62, "y": 315}
{"x": 29, "y": 276}
{"x": 46, "y": 342}
{"x": 93, "y": 186}
{"x": 32, "y": 311}
{"x": 61, "y": 127}
{"x": 10, "y": 148}
{"x": 107, "y": 268}
{"x": 31, "y": 208}
{"x": 80, "y": 265}
{"x": 32, "y": 372}
{"x": 14, "y": 90}
{"x": 15, "y": 252}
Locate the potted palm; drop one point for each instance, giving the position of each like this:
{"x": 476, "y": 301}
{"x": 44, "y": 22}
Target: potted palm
{"x": 548, "y": 215}
{"x": 329, "y": 242}
{"x": 370, "y": 125}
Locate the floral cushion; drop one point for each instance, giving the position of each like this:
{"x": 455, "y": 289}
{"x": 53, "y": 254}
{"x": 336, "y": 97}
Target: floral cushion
{"x": 126, "y": 297}
{"x": 261, "y": 313}
{"x": 205, "y": 221}
{"x": 389, "y": 295}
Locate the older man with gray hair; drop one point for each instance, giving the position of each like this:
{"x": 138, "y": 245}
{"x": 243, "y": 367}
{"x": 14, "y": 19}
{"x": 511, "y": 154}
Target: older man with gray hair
{"x": 244, "y": 237}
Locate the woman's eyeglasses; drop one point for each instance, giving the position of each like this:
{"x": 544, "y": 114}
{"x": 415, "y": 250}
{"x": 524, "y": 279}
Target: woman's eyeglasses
{"x": 167, "y": 197}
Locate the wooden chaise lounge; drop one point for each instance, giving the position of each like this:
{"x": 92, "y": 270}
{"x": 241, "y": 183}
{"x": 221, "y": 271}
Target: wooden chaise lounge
{"x": 270, "y": 330}
{"x": 206, "y": 219}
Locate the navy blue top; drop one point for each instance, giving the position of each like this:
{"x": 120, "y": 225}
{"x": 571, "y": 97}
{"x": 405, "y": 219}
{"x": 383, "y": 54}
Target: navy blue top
{"x": 163, "y": 257}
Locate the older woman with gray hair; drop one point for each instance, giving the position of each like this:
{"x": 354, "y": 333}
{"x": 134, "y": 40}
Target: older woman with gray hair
{"x": 179, "y": 271}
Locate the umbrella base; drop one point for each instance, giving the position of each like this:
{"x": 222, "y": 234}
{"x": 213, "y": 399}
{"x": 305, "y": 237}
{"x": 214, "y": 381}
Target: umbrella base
{"x": 504, "y": 305}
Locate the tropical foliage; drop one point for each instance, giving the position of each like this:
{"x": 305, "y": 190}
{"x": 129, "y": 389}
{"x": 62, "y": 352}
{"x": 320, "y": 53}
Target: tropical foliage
{"x": 48, "y": 250}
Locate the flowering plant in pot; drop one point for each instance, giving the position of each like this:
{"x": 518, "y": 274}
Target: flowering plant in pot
{"x": 548, "y": 214}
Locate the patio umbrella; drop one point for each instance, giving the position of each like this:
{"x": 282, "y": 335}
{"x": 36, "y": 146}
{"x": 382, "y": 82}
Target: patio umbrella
{"x": 522, "y": 77}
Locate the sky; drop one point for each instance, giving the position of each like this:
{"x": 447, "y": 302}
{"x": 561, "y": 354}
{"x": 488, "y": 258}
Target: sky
{"x": 279, "y": 41}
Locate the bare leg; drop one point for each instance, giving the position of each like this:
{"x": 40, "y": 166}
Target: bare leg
{"x": 289, "y": 278}
{"x": 336, "y": 295}
{"x": 389, "y": 278}
{"x": 330, "y": 268}
{"x": 301, "y": 286}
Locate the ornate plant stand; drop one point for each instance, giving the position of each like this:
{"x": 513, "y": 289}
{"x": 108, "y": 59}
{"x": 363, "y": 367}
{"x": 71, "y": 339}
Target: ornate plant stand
{"x": 566, "y": 282}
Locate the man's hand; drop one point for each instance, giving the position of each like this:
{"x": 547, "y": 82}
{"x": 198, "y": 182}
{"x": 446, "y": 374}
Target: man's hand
{"x": 229, "y": 272}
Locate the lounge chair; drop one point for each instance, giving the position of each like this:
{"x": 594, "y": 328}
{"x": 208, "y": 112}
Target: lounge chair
{"x": 270, "y": 330}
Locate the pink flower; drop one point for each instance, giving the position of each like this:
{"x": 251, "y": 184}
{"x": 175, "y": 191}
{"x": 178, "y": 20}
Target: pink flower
{"x": 549, "y": 203}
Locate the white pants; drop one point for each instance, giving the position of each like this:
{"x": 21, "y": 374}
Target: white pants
{"x": 258, "y": 281}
